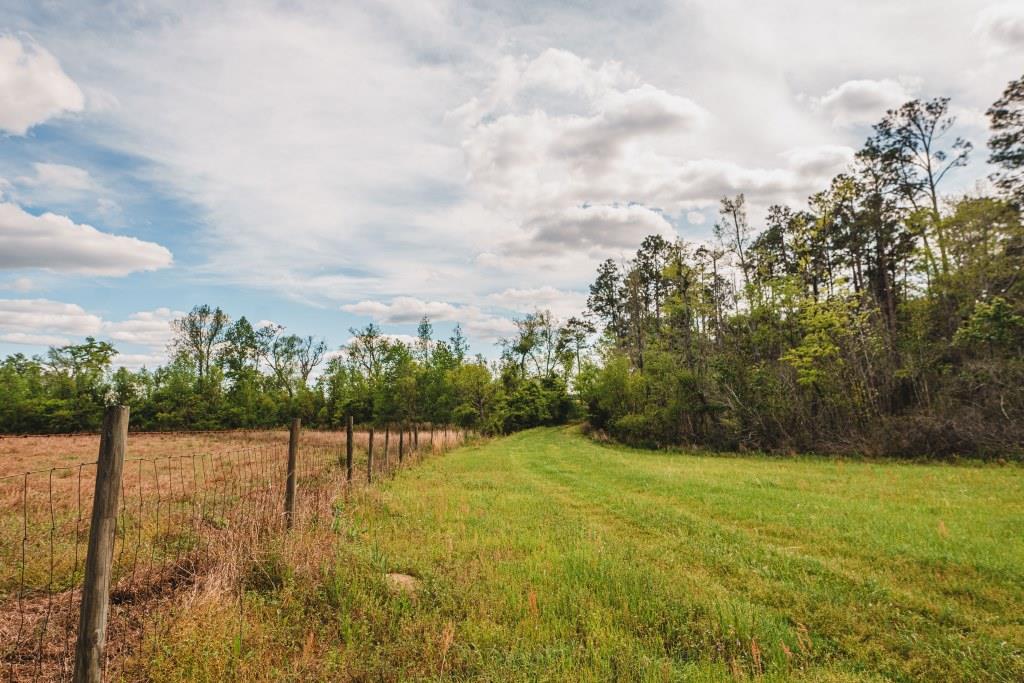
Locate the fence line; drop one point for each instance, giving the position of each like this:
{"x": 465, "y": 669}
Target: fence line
{"x": 177, "y": 520}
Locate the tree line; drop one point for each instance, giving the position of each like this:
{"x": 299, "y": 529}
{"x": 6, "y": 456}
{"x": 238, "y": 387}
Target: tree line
{"x": 882, "y": 317}
{"x": 227, "y": 374}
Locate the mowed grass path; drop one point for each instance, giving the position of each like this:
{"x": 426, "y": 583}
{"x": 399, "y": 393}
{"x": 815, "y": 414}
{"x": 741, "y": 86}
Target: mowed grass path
{"x": 545, "y": 556}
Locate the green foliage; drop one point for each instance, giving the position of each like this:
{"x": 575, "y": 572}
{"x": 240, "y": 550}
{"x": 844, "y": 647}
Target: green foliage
{"x": 995, "y": 326}
{"x": 883, "y": 318}
{"x": 547, "y": 557}
{"x": 226, "y": 375}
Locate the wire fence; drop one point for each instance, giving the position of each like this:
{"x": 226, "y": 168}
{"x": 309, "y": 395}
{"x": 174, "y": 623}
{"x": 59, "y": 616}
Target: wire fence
{"x": 182, "y": 519}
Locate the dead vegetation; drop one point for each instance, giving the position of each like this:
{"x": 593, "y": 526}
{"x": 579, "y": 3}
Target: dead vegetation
{"x": 201, "y": 522}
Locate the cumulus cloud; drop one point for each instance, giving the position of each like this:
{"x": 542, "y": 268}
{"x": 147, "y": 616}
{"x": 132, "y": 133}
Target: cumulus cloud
{"x": 52, "y": 184}
{"x": 36, "y": 318}
{"x": 141, "y": 339}
{"x": 593, "y": 228}
{"x": 59, "y": 176}
{"x": 695, "y": 218}
{"x": 146, "y": 328}
{"x": 33, "y": 87}
{"x": 606, "y": 162}
{"x": 373, "y": 192}
{"x": 861, "y": 101}
{"x": 34, "y": 339}
{"x": 1003, "y": 25}
{"x": 20, "y": 284}
{"x": 57, "y": 243}
{"x": 404, "y": 309}
{"x": 822, "y": 161}
{"x": 562, "y": 303}
{"x": 580, "y": 148}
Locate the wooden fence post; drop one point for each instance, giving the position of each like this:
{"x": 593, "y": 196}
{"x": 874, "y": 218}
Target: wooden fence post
{"x": 92, "y": 624}
{"x": 348, "y": 449}
{"x": 401, "y": 443}
{"x": 369, "y": 460}
{"x": 431, "y": 438}
{"x": 293, "y": 457}
{"x": 387, "y": 445}
{"x": 416, "y": 436}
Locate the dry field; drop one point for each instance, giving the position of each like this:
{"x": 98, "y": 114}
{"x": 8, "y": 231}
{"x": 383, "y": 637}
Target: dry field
{"x": 189, "y": 501}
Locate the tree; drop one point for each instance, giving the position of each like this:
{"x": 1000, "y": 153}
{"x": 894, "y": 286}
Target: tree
{"x": 197, "y": 336}
{"x": 572, "y": 340}
{"x": 605, "y": 300}
{"x": 85, "y": 366}
{"x": 1006, "y": 145}
{"x": 536, "y": 341}
{"x": 909, "y": 142}
{"x": 734, "y": 232}
{"x": 245, "y": 348}
{"x": 424, "y": 339}
{"x": 293, "y": 359}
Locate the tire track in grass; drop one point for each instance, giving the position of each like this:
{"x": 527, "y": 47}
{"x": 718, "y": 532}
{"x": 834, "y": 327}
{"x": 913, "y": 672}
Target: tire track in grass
{"x": 740, "y": 558}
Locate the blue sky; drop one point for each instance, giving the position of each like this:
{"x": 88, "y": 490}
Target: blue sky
{"x": 324, "y": 165}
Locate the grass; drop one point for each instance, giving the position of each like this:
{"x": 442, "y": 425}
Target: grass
{"x": 547, "y": 557}
{"x": 195, "y": 508}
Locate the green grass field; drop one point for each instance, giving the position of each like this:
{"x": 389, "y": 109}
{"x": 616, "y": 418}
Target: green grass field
{"x": 547, "y": 557}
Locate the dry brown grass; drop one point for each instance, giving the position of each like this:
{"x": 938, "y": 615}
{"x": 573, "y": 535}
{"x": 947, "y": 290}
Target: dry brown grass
{"x": 198, "y": 512}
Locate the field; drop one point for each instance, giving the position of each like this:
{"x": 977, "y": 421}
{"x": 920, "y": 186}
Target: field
{"x": 546, "y": 556}
{"x": 195, "y": 509}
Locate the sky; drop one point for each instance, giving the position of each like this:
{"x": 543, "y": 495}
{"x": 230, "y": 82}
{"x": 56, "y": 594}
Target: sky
{"x": 323, "y": 165}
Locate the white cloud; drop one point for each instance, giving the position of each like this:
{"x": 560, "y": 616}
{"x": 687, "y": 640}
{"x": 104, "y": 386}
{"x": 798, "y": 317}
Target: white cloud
{"x": 62, "y": 185}
{"x": 484, "y": 127}
{"x": 142, "y": 338}
{"x": 20, "y": 284}
{"x": 562, "y": 303}
{"x": 861, "y": 101}
{"x": 403, "y": 309}
{"x": 1002, "y": 24}
{"x": 601, "y": 172}
{"x": 147, "y": 328}
{"x": 56, "y": 243}
{"x": 59, "y": 176}
{"x": 818, "y": 163}
{"x": 476, "y": 323}
{"x": 34, "y": 339}
{"x": 593, "y": 228}
{"x": 33, "y": 87}
{"x": 39, "y": 317}
{"x": 695, "y": 218}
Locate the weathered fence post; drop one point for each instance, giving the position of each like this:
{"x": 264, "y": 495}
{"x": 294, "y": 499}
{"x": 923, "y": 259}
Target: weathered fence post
{"x": 369, "y": 460}
{"x": 348, "y": 449}
{"x": 431, "y": 438}
{"x": 401, "y": 443}
{"x": 293, "y": 457}
{"x": 92, "y": 624}
{"x": 387, "y": 445}
{"x": 416, "y": 436}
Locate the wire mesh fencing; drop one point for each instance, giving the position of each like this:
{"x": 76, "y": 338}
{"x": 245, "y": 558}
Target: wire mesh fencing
{"x": 185, "y": 522}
